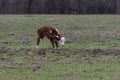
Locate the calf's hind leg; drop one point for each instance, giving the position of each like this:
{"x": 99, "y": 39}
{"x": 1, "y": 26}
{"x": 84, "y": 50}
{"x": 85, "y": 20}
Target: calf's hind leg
{"x": 38, "y": 41}
{"x": 40, "y": 36}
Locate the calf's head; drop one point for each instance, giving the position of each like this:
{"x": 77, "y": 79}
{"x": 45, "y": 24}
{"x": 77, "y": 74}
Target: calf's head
{"x": 60, "y": 40}
{"x": 57, "y": 37}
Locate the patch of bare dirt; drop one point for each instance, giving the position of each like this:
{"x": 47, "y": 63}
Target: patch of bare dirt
{"x": 87, "y": 51}
{"x": 40, "y": 52}
{"x": 35, "y": 64}
{"x": 4, "y": 50}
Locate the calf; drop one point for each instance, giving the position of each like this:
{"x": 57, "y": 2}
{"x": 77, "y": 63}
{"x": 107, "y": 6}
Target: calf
{"x": 51, "y": 33}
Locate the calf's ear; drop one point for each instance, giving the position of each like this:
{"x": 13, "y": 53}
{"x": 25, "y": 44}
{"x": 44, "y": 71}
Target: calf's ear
{"x": 57, "y": 36}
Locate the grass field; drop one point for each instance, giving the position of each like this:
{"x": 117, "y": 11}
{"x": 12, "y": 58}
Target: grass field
{"x": 91, "y": 51}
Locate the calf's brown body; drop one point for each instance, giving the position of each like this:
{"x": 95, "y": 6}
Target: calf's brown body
{"x": 51, "y": 33}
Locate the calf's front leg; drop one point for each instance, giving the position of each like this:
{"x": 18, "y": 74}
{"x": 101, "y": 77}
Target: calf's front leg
{"x": 52, "y": 42}
{"x": 56, "y": 44}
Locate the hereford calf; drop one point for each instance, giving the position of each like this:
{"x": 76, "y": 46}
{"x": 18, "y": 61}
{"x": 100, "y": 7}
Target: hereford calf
{"x": 51, "y": 33}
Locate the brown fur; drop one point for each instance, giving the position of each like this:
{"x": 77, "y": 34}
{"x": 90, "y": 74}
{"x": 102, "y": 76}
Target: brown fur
{"x": 51, "y": 33}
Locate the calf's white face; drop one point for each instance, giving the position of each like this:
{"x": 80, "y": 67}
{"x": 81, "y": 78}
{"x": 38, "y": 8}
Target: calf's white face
{"x": 62, "y": 41}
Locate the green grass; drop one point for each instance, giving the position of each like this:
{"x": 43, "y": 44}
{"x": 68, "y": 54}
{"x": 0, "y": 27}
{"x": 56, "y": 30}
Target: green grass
{"x": 91, "y": 51}
{"x": 84, "y": 29}
{"x": 58, "y": 67}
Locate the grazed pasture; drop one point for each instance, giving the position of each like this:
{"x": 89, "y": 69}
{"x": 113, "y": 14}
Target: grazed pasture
{"x": 92, "y": 50}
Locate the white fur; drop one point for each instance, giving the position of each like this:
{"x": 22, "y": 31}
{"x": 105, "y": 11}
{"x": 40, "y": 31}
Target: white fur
{"x": 57, "y": 30}
{"x": 50, "y": 31}
{"x": 37, "y": 46}
{"x": 57, "y": 36}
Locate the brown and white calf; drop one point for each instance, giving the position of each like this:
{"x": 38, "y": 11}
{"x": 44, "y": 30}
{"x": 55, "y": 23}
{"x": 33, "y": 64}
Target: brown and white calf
{"x": 51, "y": 33}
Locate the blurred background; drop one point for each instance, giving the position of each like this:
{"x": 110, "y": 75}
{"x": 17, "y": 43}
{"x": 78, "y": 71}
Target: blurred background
{"x": 59, "y": 6}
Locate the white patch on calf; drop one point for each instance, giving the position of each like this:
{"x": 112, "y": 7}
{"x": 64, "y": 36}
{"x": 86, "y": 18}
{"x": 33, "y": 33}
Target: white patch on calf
{"x": 57, "y": 36}
{"x": 57, "y": 30}
{"x": 37, "y": 46}
{"x": 50, "y": 31}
